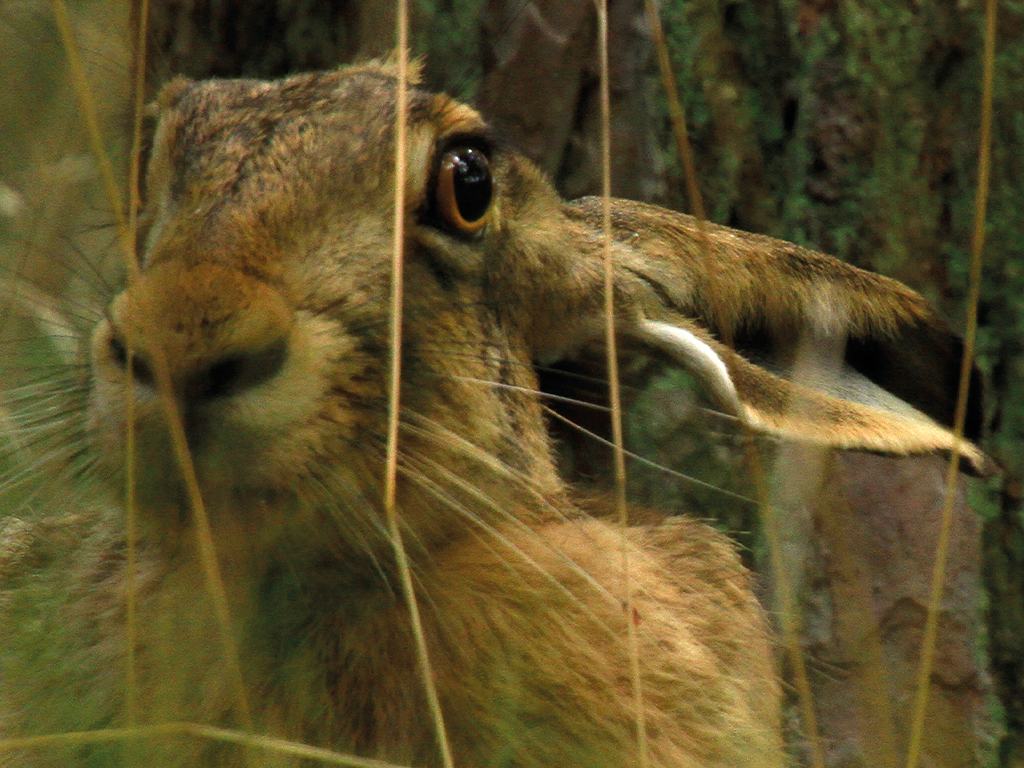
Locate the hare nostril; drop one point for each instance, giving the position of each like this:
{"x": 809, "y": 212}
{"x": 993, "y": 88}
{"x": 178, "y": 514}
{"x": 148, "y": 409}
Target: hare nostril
{"x": 236, "y": 373}
{"x": 222, "y": 377}
{"x": 141, "y": 371}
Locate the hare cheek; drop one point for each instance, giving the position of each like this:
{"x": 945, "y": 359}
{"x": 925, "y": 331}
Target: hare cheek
{"x": 293, "y": 395}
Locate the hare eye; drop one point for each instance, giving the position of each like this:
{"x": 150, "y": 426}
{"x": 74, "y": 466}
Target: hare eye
{"x": 464, "y": 189}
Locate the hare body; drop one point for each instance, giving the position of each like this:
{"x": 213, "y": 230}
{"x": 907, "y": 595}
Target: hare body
{"x": 261, "y": 307}
{"x": 263, "y": 301}
{"x": 528, "y": 643}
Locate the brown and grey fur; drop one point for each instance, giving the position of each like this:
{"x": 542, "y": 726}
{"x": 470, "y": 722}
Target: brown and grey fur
{"x": 266, "y": 241}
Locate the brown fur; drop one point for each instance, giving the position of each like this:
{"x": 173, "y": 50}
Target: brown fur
{"x": 264, "y": 287}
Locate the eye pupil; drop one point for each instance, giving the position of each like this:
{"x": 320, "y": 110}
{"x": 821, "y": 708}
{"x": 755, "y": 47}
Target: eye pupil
{"x": 464, "y": 189}
{"x": 472, "y": 182}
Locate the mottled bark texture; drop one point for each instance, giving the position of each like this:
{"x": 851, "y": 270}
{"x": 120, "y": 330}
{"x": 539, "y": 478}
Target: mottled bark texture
{"x": 541, "y": 87}
{"x": 263, "y": 38}
{"x": 874, "y": 527}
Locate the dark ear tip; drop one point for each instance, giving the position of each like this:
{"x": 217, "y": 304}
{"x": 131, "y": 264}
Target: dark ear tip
{"x": 920, "y": 364}
{"x": 974, "y": 425}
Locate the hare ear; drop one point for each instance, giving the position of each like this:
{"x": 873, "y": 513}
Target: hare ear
{"x": 821, "y": 351}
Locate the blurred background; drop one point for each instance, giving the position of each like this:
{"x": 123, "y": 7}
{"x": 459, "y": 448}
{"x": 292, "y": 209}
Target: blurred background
{"x": 848, "y": 126}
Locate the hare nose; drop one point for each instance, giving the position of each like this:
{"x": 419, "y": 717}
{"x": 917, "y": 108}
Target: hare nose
{"x": 216, "y": 333}
{"x": 230, "y": 374}
{"x": 236, "y": 373}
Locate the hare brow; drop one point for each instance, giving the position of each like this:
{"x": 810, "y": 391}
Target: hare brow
{"x": 483, "y": 138}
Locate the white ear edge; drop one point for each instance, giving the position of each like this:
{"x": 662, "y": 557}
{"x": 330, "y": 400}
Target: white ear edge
{"x": 697, "y": 357}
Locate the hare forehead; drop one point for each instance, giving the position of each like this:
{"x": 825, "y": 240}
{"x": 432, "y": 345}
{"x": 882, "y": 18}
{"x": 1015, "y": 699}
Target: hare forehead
{"x": 279, "y": 167}
{"x": 333, "y": 133}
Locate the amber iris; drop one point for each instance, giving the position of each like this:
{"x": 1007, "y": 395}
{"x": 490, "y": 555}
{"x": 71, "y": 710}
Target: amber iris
{"x": 464, "y": 189}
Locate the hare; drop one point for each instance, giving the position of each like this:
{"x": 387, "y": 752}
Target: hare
{"x": 262, "y": 300}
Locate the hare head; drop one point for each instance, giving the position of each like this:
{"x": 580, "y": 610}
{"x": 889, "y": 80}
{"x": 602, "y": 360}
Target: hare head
{"x": 260, "y": 316}
{"x": 264, "y": 285}
{"x": 265, "y": 282}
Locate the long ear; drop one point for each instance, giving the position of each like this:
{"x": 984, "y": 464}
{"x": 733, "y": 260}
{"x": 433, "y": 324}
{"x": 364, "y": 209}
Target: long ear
{"x": 821, "y": 351}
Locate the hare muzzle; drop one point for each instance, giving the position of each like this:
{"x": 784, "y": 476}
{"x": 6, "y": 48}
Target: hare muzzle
{"x": 222, "y": 342}
{"x": 219, "y": 333}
